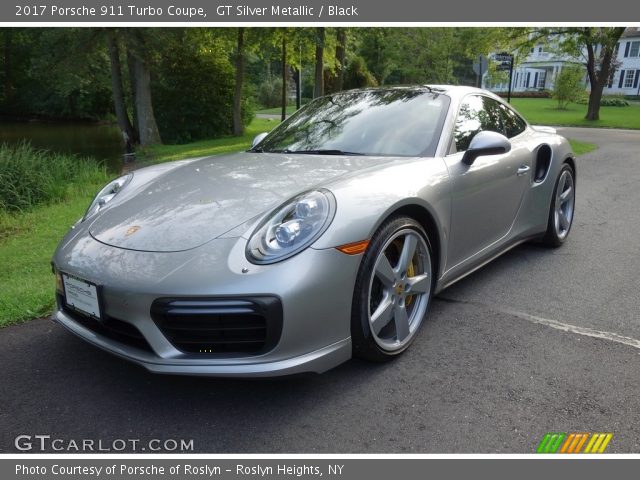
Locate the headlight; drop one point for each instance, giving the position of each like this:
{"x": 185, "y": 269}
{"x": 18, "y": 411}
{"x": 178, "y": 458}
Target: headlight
{"x": 106, "y": 195}
{"x": 292, "y": 227}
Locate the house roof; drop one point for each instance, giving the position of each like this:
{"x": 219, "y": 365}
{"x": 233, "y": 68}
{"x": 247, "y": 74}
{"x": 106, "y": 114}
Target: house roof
{"x": 631, "y": 32}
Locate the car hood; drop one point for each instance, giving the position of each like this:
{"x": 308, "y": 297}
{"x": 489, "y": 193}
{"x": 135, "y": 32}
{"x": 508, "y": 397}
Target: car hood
{"x": 201, "y": 200}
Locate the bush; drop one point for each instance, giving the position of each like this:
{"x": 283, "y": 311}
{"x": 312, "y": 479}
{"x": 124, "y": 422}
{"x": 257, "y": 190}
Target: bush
{"x": 29, "y": 177}
{"x": 270, "y": 92}
{"x": 609, "y": 101}
{"x": 357, "y": 75}
{"x": 193, "y": 94}
{"x": 529, "y": 94}
{"x": 568, "y": 86}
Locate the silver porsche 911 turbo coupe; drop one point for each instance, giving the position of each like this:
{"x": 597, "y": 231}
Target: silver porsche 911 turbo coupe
{"x": 326, "y": 240}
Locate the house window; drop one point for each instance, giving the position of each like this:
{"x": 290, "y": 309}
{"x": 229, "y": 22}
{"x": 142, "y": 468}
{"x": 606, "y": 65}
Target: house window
{"x": 629, "y": 78}
{"x": 634, "y": 49}
{"x": 541, "y": 79}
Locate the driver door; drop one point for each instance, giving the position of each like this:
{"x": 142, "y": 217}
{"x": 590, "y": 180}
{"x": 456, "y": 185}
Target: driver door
{"x": 487, "y": 194}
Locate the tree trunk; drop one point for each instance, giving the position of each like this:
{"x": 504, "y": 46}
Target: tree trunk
{"x": 341, "y": 48}
{"x": 595, "y": 95}
{"x": 296, "y": 77}
{"x": 132, "y": 92}
{"x": 593, "y": 110}
{"x": 598, "y": 78}
{"x": 318, "y": 89}
{"x": 147, "y": 126}
{"x": 284, "y": 78}
{"x": 238, "y": 126}
{"x": 118, "y": 92}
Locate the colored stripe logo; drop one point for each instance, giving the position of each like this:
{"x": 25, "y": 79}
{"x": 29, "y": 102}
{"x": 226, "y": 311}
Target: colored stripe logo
{"x": 574, "y": 442}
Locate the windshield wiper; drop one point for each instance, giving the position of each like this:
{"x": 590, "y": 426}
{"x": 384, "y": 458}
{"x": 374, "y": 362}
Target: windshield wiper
{"x": 324, "y": 152}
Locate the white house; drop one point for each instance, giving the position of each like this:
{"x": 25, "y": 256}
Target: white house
{"x": 539, "y": 69}
{"x": 625, "y": 80}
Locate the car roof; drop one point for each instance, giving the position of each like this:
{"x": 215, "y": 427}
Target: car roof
{"x": 453, "y": 91}
{"x": 458, "y": 90}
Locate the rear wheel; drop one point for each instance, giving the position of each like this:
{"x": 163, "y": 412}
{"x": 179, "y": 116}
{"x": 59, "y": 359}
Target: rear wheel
{"x": 562, "y": 208}
{"x": 393, "y": 290}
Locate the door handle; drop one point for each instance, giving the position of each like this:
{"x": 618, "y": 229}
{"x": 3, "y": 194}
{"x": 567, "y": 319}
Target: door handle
{"x": 523, "y": 169}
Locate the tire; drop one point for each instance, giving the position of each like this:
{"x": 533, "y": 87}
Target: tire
{"x": 392, "y": 280}
{"x": 562, "y": 209}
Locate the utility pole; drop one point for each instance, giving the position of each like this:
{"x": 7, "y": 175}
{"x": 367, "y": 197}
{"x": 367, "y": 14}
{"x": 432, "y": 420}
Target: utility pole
{"x": 510, "y": 77}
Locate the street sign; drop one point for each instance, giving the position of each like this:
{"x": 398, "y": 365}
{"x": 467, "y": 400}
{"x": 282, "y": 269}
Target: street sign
{"x": 480, "y": 65}
{"x": 503, "y": 57}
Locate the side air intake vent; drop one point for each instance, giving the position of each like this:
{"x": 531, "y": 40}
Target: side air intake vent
{"x": 542, "y": 162}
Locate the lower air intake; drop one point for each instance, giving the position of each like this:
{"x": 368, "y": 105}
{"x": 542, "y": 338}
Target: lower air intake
{"x": 220, "y": 326}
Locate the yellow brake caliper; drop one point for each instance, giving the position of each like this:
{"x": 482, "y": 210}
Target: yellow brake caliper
{"x": 410, "y": 273}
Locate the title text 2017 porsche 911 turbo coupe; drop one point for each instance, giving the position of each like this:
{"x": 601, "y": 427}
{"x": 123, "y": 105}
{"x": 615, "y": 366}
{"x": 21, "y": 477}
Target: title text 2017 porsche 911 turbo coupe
{"x": 327, "y": 239}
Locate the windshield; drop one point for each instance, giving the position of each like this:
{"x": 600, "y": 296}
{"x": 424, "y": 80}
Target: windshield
{"x": 398, "y": 122}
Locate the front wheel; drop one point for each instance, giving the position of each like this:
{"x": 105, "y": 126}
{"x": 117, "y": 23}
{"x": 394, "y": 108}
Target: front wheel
{"x": 562, "y": 208}
{"x": 393, "y": 290}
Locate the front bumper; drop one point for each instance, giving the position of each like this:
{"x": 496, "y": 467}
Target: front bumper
{"x": 315, "y": 290}
{"x": 317, "y": 361}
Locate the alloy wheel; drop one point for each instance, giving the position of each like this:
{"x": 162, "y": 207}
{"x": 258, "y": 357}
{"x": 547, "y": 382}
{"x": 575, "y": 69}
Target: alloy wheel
{"x": 564, "y": 204}
{"x": 399, "y": 289}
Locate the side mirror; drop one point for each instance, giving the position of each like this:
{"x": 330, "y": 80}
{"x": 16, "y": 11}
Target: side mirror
{"x": 486, "y": 143}
{"x": 258, "y": 138}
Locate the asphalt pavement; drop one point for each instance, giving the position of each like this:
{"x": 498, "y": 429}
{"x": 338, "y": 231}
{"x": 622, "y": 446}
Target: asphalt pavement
{"x": 538, "y": 341}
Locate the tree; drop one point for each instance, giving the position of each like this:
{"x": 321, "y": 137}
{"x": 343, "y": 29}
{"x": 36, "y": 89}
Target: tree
{"x": 596, "y": 45}
{"x": 120, "y": 107}
{"x": 318, "y": 89}
{"x": 375, "y": 49}
{"x": 283, "y": 114}
{"x": 8, "y": 70}
{"x": 147, "y": 126}
{"x": 568, "y": 86}
{"x": 601, "y": 68}
{"x": 193, "y": 82}
{"x": 356, "y": 74}
{"x": 56, "y": 73}
{"x": 341, "y": 48}
{"x": 238, "y": 125}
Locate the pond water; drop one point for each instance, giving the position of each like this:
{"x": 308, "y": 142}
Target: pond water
{"x": 102, "y": 142}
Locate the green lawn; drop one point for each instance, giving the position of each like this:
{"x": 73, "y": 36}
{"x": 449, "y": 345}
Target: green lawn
{"x": 543, "y": 111}
{"x": 26, "y": 248}
{"x": 580, "y": 148}
{"x": 277, "y": 110}
{"x": 26, "y": 282}
{"x": 167, "y": 153}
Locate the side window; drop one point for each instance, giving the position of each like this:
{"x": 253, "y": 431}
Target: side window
{"x": 477, "y": 113}
{"x": 493, "y": 119}
{"x": 513, "y": 124}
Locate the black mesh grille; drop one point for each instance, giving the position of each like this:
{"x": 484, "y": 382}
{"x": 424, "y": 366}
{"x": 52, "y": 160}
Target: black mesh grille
{"x": 109, "y": 327}
{"x": 219, "y": 326}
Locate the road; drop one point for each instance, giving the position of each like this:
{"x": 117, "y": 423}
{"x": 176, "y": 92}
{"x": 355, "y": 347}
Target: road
{"x": 540, "y": 340}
